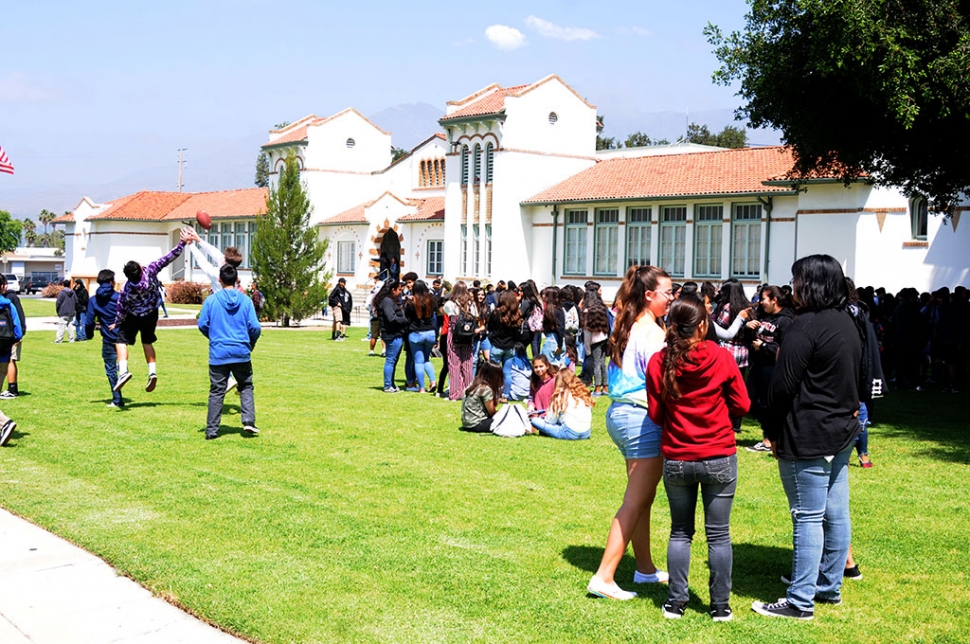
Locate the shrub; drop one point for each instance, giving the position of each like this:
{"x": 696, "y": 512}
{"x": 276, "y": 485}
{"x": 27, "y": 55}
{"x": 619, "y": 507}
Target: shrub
{"x": 182, "y": 292}
{"x": 52, "y": 290}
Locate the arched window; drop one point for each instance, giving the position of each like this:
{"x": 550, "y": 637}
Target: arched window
{"x": 553, "y": 117}
{"x": 919, "y": 218}
{"x": 477, "y": 164}
{"x": 489, "y": 159}
{"x": 464, "y": 165}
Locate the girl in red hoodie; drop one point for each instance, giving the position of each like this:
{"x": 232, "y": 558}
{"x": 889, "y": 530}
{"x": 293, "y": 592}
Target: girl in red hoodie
{"x": 694, "y": 387}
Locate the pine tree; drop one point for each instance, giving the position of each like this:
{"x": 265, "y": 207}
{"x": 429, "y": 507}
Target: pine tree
{"x": 287, "y": 254}
{"x": 262, "y": 171}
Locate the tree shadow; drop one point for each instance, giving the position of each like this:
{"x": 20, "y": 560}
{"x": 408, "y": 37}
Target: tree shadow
{"x": 938, "y": 420}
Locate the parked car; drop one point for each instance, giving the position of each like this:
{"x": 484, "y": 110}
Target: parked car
{"x": 13, "y": 282}
{"x": 27, "y": 286}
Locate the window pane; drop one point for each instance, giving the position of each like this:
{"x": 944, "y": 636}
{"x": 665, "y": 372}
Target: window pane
{"x": 637, "y": 245}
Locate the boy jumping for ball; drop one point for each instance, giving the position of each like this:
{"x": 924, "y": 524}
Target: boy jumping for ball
{"x": 138, "y": 311}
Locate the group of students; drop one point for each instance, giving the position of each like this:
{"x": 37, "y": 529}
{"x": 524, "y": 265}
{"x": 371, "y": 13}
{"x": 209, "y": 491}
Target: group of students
{"x": 673, "y": 372}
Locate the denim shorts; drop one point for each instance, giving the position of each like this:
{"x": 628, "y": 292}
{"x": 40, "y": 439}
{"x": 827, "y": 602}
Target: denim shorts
{"x": 632, "y": 431}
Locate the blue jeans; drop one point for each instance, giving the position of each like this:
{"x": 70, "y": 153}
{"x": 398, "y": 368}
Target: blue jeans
{"x": 718, "y": 480}
{"x": 392, "y": 351}
{"x": 421, "y": 344}
{"x": 632, "y": 431}
{"x": 110, "y": 356}
{"x": 79, "y": 323}
{"x": 818, "y": 495}
{"x": 558, "y": 430}
{"x": 409, "y": 376}
{"x": 862, "y": 440}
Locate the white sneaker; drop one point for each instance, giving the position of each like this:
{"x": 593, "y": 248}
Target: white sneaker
{"x": 122, "y": 380}
{"x": 152, "y": 381}
{"x": 658, "y": 577}
{"x": 250, "y": 429}
{"x": 6, "y": 431}
{"x": 600, "y": 588}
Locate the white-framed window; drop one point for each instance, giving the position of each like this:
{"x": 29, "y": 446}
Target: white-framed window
{"x": 242, "y": 242}
{"x": 464, "y": 165}
{"x": 673, "y": 239}
{"x": 464, "y": 248}
{"x": 227, "y": 239}
{"x": 708, "y": 231}
{"x": 489, "y": 160}
{"x": 488, "y": 249}
{"x": 920, "y": 218}
{"x": 606, "y": 238}
{"x": 476, "y": 248}
{"x": 637, "y": 237}
{"x": 746, "y": 240}
{"x": 575, "y": 240}
{"x": 435, "y": 256}
{"x": 345, "y": 256}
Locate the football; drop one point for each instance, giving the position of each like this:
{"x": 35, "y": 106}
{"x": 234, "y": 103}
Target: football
{"x": 204, "y": 219}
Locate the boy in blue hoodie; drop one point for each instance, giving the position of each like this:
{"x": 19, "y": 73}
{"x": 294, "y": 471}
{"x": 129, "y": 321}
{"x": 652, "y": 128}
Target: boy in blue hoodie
{"x": 103, "y": 307}
{"x": 10, "y": 334}
{"x": 229, "y": 320}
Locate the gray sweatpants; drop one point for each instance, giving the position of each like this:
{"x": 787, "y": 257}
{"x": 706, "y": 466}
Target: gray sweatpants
{"x": 218, "y": 379}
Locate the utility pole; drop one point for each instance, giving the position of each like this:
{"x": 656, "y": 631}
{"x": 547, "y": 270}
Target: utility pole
{"x": 181, "y": 162}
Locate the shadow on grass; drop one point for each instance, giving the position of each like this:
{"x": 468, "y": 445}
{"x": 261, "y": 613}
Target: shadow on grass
{"x": 757, "y": 571}
{"x": 938, "y": 419}
{"x": 14, "y": 436}
{"x": 225, "y": 430}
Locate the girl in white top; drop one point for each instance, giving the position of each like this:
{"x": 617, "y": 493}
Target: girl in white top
{"x": 570, "y": 413}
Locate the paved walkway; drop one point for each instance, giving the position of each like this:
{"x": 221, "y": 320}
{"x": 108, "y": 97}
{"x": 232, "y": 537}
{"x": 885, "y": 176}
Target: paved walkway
{"x": 52, "y": 592}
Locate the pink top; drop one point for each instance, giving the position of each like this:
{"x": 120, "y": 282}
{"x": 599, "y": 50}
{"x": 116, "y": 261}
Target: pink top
{"x": 543, "y": 395}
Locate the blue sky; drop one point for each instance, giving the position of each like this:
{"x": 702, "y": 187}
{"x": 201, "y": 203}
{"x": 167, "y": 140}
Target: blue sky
{"x": 95, "y": 97}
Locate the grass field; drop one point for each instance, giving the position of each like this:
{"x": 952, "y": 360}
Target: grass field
{"x": 357, "y": 516}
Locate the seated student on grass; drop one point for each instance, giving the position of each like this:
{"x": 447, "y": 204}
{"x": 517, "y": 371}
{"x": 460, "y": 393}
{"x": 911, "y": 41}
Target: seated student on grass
{"x": 481, "y": 398}
{"x": 228, "y": 319}
{"x": 137, "y": 311}
{"x": 518, "y": 375}
{"x": 570, "y": 413}
{"x": 694, "y": 389}
{"x": 542, "y": 384}
{"x": 103, "y": 307}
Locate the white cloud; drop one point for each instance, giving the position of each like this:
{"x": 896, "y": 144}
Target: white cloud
{"x": 504, "y": 37}
{"x": 550, "y": 30}
{"x": 641, "y": 31}
{"x": 16, "y": 87}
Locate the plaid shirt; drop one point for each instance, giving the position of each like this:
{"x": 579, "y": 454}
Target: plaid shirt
{"x": 738, "y": 345}
{"x": 142, "y": 297}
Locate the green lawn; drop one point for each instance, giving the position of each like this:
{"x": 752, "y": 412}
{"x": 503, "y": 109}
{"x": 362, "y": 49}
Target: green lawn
{"x": 358, "y": 516}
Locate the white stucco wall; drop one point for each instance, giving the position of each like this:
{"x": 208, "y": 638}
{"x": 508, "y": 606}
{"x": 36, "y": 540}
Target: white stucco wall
{"x": 527, "y": 125}
{"x": 328, "y": 149}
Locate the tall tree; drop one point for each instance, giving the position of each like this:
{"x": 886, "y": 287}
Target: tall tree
{"x": 397, "y": 153}
{"x": 46, "y": 217}
{"x": 287, "y": 253}
{"x": 30, "y": 231}
{"x": 9, "y": 232}
{"x": 605, "y": 142}
{"x": 641, "y": 140}
{"x": 874, "y": 87}
{"x": 58, "y": 240}
{"x": 729, "y": 137}
{"x": 262, "y": 170}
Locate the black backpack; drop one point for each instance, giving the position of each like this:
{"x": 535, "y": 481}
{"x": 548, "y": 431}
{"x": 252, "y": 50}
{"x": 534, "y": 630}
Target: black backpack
{"x": 7, "y": 333}
{"x": 462, "y": 330}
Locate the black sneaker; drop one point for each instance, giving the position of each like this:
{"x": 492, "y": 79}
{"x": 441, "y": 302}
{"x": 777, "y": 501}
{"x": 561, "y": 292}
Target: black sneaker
{"x": 673, "y": 610}
{"x": 721, "y": 613}
{"x": 152, "y": 381}
{"x": 6, "y": 431}
{"x": 852, "y": 573}
{"x": 7, "y": 394}
{"x": 781, "y": 609}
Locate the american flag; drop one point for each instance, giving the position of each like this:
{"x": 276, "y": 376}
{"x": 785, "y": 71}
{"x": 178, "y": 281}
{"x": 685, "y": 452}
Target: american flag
{"x": 5, "y": 165}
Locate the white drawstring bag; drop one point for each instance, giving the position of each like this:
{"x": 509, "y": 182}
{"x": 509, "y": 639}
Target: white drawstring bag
{"x": 511, "y": 421}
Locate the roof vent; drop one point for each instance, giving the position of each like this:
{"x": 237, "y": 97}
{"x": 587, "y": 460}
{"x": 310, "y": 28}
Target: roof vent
{"x": 350, "y": 143}
{"x": 553, "y": 118}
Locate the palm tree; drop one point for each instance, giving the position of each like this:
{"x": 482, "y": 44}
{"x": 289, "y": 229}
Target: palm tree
{"x": 46, "y": 217}
{"x": 30, "y": 231}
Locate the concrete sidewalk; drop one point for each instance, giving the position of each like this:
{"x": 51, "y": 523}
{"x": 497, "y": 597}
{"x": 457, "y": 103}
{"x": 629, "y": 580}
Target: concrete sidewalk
{"x": 52, "y": 592}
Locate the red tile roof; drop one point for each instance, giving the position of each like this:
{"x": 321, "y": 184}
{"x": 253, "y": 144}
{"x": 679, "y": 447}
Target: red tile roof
{"x": 430, "y": 209}
{"x": 722, "y": 172}
{"x": 177, "y": 206}
{"x": 66, "y": 218}
{"x": 492, "y": 102}
{"x": 298, "y": 134}
{"x": 355, "y": 215}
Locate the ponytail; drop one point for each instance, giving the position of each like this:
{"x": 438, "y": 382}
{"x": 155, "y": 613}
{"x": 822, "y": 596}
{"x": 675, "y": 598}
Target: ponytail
{"x": 686, "y": 314}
